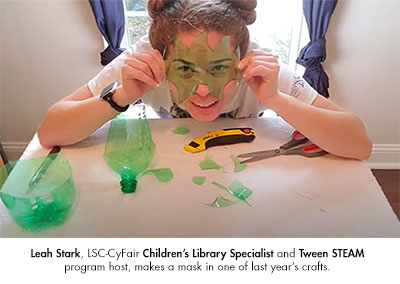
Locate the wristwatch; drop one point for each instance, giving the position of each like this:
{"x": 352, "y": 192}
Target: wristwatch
{"x": 107, "y": 95}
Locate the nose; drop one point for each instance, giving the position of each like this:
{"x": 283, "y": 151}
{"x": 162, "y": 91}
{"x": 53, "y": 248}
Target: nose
{"x": 202, "y": 90}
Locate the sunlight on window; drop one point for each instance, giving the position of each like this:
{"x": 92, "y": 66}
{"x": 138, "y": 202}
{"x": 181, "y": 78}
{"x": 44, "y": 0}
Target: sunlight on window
{"x": 279, "y": 26}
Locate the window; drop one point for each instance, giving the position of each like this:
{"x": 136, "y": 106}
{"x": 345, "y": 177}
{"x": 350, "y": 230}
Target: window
{"x": 137, "y": 21}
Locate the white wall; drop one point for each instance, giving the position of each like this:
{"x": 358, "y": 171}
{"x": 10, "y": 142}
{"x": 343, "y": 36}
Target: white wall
{"x": 364, "y": 68}
{"x": 49, "y": 48}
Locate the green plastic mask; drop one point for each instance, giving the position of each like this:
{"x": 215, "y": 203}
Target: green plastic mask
{"x": 199, "y": 65}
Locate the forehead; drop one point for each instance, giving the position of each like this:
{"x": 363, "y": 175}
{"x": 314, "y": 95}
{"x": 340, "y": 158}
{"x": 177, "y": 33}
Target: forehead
{"x": 213, "y": 38}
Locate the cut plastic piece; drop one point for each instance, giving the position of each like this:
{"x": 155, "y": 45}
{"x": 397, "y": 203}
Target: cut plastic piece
{"x": 162, "y": 175}
{"x": 199, "y": 180}
{"x": 200, "y": 65}
{"x": 209, "y": 164}
{"x": 129, "y": 148}
{"x": 237, "y": 189}
{"x": 219, "y": 185}
{"x": 49, "y": 203}
{"x": 181, "y": 130}
{"x": 220, "y": 201}
{"x": 238, "y": 165}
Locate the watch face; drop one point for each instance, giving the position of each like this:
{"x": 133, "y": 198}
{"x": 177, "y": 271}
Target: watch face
{"x": 108, "y": 89}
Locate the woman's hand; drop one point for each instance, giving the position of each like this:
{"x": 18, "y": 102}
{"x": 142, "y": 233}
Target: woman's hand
{"x": 141, "y": 73}
{"x": 260, "y": 71}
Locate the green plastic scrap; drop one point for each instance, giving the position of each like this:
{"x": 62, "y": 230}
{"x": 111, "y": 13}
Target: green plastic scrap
{"x": 162, "y": 175}
{"x": 237, "y": 189}
{"x": 199, "y": 180}
{"x": 209, "y": 164}
{"x": 222, "y": 202}
{"x": 238, "y": 165}
{"x": 219, "y": 185}
{"x": 181, "y": 130}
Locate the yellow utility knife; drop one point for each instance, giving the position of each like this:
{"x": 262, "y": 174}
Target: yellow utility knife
{"x": 220, "y": 137}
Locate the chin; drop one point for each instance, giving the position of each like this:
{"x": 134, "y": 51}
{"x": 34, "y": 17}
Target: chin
{"x": 200, "y": 117}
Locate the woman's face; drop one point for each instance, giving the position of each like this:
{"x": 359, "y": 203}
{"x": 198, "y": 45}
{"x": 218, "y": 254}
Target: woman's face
{"x": 202, "y": 84}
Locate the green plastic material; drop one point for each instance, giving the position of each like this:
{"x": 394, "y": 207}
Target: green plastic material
{"x": 45, "y": 205}
{"x": 199, "y": 180}
{"x": 129, "y": 149}
{"x": 237, "y": 189}
{"x": 219, "y": 185}
{"x": 162, "y": 175}
{"x": 220, "y": 201}
{"x": 181, "y": 130}
{"x": 188, "y": 68}
{"x": 209, "y": 164}
{"x": 238, "y": 165}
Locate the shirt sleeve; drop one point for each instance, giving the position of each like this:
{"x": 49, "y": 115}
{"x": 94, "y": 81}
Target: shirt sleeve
{"x": 112, "y": 71}
{"x": 290, "y": 83}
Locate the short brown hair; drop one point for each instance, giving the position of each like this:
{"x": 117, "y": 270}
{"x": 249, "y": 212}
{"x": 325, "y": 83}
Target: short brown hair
{"x": 229, "y": 17}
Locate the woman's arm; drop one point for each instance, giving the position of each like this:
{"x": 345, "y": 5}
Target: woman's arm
{"x": 78, "y": 115}
{"x": 75, "y": 117}
{"x": 330, "y": 127}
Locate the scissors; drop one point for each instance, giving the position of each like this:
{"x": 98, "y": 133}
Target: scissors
{"x": 307, "y": 149}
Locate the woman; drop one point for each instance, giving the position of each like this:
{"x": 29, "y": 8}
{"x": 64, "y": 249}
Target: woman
{"x": 199, "y": 62}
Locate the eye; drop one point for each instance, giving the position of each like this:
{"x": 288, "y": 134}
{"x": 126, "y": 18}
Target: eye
{"x": 219, "y": 68}
{"x": 185, "y": 69}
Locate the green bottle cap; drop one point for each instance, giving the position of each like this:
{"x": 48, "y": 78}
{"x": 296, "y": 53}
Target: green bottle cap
{"x": 128, "y": 185}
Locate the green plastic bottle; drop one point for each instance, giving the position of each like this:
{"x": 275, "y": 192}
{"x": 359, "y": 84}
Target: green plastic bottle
{"x": 45, "y": 204}
{"x": 129, "y": 148}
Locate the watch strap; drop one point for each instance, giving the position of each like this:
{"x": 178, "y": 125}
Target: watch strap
{"x": 113, "y": 104}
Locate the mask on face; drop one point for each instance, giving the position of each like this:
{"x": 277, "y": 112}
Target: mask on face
{"x": 199, "y": 65}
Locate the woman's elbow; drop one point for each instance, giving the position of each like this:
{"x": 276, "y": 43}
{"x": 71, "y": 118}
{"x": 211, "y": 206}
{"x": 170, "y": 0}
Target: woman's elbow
{"x": 362, "y": 147}
{"x": 44, "y": 138}
{"x": 366, "y": 150}
{"x": 363, "y": 151}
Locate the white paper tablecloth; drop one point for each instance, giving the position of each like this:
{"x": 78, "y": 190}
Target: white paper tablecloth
{"x": 292, "y": 196}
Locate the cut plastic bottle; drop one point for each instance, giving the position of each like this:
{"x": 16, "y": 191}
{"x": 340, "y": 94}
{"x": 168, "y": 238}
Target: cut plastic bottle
{"x": 129, "y": 148}
{"x": 47, "y": 204}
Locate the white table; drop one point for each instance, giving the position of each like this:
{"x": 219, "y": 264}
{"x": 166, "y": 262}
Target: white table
{"x": 292, "y": 196}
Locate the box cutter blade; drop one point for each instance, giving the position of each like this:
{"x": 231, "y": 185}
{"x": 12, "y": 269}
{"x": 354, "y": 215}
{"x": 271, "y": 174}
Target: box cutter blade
{"x": 220, "y": 137}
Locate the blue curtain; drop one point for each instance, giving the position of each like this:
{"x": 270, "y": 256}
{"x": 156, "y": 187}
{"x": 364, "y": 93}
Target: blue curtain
{"x": 317, "y": 14}
{"x": 110, "y": 20}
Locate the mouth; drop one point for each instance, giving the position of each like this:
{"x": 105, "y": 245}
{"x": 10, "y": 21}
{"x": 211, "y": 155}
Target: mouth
{"x": 205, "y": 107}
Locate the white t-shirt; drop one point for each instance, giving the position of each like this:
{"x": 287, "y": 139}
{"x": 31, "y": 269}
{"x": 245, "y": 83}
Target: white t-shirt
{"x": 243, "y": 103}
